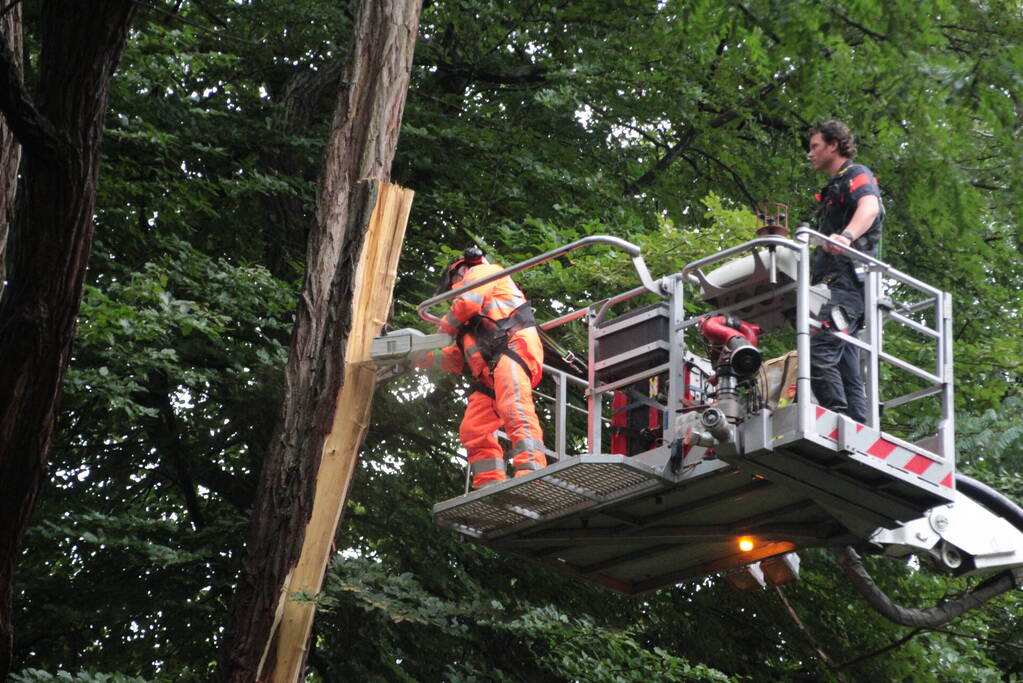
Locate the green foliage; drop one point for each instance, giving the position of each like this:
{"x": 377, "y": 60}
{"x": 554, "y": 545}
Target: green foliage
{"x": 547, "y": 642}
{"x": 167, "y": 410}
{"x": 576, "y": 649}
{"x": 37, "y": 676}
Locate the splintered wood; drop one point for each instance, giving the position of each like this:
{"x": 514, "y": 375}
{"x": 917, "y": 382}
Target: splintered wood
{"x": 373, "y": 290}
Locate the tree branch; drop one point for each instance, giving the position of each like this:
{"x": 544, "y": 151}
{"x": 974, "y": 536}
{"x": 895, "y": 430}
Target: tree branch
{"x": 679, "y": 148}
{"x": 205, "y": 29}
{"x": 731, "y": 171}
{"x": 752, "y": 17}
{"x": 809, "y": 636}
{"x": 35, "y": 132}
{"x": 665, "y": 162}
{"x": 873, "y": 34}
{"x": 887, "y": 648}
{"x": 496, "y": 74}
{"x": 993, "y": 641}
{"x": 636, "y": 129}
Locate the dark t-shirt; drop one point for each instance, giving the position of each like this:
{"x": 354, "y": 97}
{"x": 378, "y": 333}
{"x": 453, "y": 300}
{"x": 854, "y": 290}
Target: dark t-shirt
{"x": 837, "y": 200}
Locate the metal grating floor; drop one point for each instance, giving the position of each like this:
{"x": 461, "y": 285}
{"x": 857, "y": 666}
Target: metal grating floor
{"x": 565, "y": 488}
{"x": 606, "y": 479}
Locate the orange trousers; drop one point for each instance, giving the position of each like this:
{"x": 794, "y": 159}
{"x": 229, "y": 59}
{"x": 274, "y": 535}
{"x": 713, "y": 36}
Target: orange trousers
{"x": 511, "y": 408}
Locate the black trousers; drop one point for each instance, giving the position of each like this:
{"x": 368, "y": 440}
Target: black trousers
{"x": 836, "y": 374}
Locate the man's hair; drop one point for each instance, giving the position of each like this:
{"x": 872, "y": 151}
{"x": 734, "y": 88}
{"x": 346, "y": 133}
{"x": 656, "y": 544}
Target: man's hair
{"x": 835, "y": 131}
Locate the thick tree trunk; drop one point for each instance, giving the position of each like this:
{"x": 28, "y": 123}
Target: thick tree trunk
{"x": 363, "y": 138}
{"x": 60, "y": 133}
{"x": 10, "y": 149}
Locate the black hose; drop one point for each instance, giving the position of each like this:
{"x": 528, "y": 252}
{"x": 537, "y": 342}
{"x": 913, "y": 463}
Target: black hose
{"x": 991, "y": 499}
{"x": 930, "y": 617}
{"x": 933, "y": 617}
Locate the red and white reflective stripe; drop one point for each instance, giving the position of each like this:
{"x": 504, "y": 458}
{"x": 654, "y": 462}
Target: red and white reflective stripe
{"x": 874, "y": 443}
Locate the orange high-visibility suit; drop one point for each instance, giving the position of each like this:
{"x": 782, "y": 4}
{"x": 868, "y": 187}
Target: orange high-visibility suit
{"x": 504, "y": 396}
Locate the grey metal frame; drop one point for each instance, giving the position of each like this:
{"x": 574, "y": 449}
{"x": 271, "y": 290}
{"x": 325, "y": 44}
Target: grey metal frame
{"x": 634, "y": 524}
{"x": 879, "y": 311}
{"x": 628, "y": 247}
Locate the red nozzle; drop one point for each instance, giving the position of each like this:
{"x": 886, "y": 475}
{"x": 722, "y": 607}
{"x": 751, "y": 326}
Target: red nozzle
{"x": 720, "y": 329}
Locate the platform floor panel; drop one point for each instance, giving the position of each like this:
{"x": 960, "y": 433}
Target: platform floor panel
{"x": 684, "y": 528}
{"x": 879, "y": 477}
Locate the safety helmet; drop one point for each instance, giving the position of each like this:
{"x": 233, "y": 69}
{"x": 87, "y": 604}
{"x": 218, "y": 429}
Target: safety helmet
{"x": 473, "y": 256}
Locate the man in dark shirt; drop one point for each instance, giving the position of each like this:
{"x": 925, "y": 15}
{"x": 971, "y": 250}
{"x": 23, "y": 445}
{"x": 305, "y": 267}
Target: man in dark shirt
{"x": 850, "y": 213}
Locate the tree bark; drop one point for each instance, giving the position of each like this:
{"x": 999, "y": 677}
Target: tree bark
{"x": 10, "y": 149}
{"x": 60, "y": 132}
{"x": 362, "y": 142}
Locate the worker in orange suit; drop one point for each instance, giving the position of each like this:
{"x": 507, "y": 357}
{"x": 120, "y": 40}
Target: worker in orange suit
{"x": 498, "y": 345}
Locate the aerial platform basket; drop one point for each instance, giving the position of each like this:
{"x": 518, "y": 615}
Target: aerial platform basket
{"x": 793, "y": 477}
{"x": 631, "y": 524}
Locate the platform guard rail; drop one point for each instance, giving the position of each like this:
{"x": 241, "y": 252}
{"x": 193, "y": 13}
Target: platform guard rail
{"x": 882, "y": 284}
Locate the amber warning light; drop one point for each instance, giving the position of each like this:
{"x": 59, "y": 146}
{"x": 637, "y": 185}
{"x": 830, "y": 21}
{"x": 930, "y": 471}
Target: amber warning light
{"x": 745, "y": 544}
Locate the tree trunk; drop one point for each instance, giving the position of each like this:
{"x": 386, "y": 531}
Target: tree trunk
{"x": 10, "y": 150}
{"x": 362, "y": 141}
{"x": 60, "y": 133}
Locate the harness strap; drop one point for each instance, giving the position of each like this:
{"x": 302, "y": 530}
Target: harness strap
{"x": 566, "y": 355}
{"x": 492, "y": 341}
{"x": 518, "y": 359}
{"x": 487, "y": 391}
{"x": 520, "y": 319}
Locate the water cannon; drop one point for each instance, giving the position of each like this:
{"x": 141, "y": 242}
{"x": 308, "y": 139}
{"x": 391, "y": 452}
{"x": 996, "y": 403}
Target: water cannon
{"x": 734, "y": 344}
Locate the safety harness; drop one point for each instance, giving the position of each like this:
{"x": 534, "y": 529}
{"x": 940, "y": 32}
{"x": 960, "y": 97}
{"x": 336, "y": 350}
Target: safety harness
{"x": 492, "y": 337}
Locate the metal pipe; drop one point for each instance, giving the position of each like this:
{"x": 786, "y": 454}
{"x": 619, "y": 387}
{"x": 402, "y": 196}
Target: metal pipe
{"x": 918, "y": 306}
{"x": 629, "y": 248}
{"x": 947, "y": 426}
{"x": 912, "y": 396}
{"x": 854, "y": 341}
{"x": 550, "y": 369}
{"x": 803, "y": 390}
{"x": 632, "y": 379}
{"x": 731, "y": 251}
{"x": 913, "y": 325}
{"x": 676, "y": 357}
{"x": 561, "y": 416}
{"x": 874, "y": 332}
{"x": 581, "y": 312}
{"x": 716, "y": 422}
{"x": 881, "y": 266}
{"x": 912, "y": 369}
{"x": 594, "y": 400}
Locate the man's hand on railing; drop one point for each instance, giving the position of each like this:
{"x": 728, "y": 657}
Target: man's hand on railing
{"x": 832, "y": 249}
